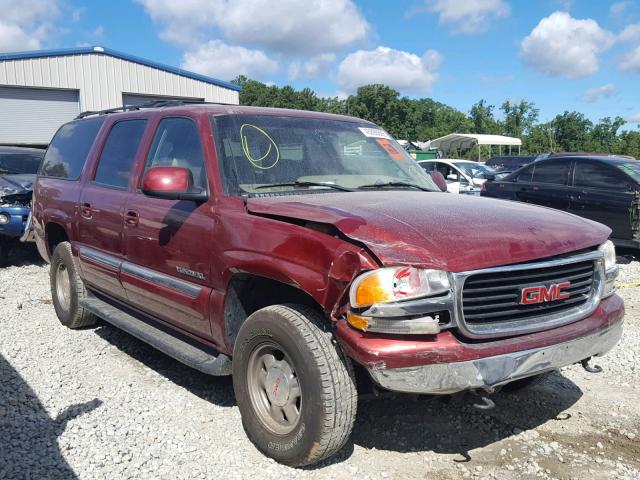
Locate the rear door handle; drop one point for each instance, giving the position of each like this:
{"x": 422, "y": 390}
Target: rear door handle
{"x": 86, "y": 210}
{"x": 131, "y": 218}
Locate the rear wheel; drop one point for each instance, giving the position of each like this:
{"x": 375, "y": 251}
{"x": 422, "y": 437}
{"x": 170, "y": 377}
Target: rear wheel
{"x": 295, "y": 389}
{"x": 67, "y": 289}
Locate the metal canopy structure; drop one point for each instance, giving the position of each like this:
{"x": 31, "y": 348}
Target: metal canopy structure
{"x": 464, "y": 141}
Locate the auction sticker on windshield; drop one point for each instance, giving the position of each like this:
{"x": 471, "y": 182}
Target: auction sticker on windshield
{"x": 374, "y": 132}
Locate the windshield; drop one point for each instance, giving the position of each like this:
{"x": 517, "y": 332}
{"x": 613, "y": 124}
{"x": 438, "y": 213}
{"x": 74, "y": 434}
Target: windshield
{"x": 632, "y": 169}
{"x": 18, "y": 163}
{"x": 475, "y": 170}
{"x": 259, "y": 153}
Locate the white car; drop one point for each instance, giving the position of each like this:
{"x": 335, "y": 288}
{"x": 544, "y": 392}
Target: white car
{"x": 462, "y": 176}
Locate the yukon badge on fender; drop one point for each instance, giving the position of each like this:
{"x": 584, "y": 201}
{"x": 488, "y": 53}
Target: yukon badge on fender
{"x": 541, "y": 293}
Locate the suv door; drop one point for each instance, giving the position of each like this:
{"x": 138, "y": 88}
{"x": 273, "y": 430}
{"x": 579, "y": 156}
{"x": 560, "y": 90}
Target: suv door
{"x": 101, "y": 207}
{"x": 168, "y": 242}
{"x": 549, "y": 185}
{"x": 602, "y": 193}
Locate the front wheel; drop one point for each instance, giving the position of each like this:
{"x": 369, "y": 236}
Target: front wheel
{"x": 295, "y": 389}
{"x": 67, "y": 289}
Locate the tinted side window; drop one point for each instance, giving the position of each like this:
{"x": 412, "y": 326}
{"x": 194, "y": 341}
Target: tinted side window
{"x": 19, "y": 163}
{"x": 119, "y": 152}
{"x": 597, "y": 175}
{"x": 555, "y": 172}
{"x": 525, "y": 175}
{"x": 68, "y": 150}
{"x": 428, "y": 166}
{"x": 177, "y": 144}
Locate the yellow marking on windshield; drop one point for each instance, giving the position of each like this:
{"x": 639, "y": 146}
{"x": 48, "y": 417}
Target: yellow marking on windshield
{"x": 245, "y": 148}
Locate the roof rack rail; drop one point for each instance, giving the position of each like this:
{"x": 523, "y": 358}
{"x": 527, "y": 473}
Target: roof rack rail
{"x": 149, "y": 104}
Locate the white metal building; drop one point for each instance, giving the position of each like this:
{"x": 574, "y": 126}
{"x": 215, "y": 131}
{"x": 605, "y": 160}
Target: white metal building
{"x": 41, "y": 90}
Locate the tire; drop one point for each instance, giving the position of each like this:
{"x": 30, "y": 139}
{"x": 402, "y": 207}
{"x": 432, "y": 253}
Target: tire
{"x": 325, "y": 401}
{"x": 66, "y": 293}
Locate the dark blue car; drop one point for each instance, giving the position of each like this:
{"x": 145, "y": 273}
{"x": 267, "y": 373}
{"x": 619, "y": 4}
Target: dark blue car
{"x": 18, "y": 169}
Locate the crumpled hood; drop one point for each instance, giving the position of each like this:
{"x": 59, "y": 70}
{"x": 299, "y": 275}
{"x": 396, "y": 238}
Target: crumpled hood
{"x": 439, "y": 230}
{"x": 16, "y": 184}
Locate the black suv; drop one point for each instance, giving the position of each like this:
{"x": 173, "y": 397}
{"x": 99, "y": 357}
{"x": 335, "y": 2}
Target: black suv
{"x": 601, "y": 188}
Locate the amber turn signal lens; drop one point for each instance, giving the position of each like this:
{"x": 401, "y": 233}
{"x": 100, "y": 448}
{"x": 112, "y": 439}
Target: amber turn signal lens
{"x": 356, "y": 321}
{"x": 373, "y": 289}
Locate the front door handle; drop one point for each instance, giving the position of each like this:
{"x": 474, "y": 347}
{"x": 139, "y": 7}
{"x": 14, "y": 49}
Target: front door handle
{"x": 131, "y": 218}
{"x": 86, "y": 210}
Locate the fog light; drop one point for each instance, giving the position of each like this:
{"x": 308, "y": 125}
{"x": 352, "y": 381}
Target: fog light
{"x": 4, "y": 218}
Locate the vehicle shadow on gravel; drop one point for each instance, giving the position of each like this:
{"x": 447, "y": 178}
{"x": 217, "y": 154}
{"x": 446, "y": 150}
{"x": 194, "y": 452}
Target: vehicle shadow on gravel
{"x": 452, "y": 425}
{"x": 217, "y": 390}
{"x": 29, "y": 436}
{"x": 25, "y": 254}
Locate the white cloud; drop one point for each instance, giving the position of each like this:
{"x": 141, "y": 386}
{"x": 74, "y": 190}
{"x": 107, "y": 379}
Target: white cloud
{"x": 631, "y": 61}
{"x": 631, "y": 33}
{"x": 594, "y": 94}
{"x": 561, "y": 45}
{"x": 217, "y": 59}
{"x": 401, "y": 70}
{"x": 287, "y": 26}
{"x": 312, "y": 68}
{"x": 616, "y": 9}
{"x": 469, "y": 16}
{"x": 25, "y": 25}
{"x": 635, "y": 118}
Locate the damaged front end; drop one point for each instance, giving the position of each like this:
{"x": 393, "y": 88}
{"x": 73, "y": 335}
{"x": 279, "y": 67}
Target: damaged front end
{"x": 16, "y": 193}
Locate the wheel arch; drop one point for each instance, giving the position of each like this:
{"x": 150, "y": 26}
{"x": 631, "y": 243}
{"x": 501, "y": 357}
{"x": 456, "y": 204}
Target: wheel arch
{"x": 249, "y": 292}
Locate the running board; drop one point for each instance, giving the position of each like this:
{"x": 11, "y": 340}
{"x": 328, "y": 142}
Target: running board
{"x": 181, "y": 350}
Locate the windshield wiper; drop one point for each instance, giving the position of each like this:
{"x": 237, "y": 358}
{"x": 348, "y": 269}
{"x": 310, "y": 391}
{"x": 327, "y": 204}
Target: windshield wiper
{"x": 395, "y": 184}
{"x": 306, "y": 184}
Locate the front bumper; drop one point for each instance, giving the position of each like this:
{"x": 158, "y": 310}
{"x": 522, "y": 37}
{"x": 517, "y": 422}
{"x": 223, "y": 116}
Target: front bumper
{"x": 443, "y": 363}
{"x": 19, "y": 221}
{"x": 491, "y": 372}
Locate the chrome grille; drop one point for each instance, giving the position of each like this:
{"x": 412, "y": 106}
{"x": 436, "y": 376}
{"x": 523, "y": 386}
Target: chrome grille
{"x": 490, "y": 299}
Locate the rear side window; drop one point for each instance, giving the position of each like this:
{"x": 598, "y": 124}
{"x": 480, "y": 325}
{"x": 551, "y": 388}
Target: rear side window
{"x": 525, "y": 175}
{"x": 554, "y": 172}
{"x": 597, "y": 175}
{"x": 177, "y": 144}
{"x": 119, "y": 153}
{"x": 67, "y": 153}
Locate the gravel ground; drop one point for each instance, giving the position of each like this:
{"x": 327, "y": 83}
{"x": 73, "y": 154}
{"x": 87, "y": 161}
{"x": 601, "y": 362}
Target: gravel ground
{"x": 100, "y": 404}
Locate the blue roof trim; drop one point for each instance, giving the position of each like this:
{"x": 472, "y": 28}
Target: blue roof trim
{"x": 124, "y": 56}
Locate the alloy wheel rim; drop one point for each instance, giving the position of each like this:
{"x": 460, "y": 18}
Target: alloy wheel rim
{"x": 274, "y": 388}
{"x": 63, "y": 287}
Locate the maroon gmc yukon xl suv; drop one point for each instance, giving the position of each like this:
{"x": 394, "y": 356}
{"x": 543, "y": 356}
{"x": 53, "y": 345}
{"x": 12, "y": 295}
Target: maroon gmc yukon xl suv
{"x": 292, "y": 249}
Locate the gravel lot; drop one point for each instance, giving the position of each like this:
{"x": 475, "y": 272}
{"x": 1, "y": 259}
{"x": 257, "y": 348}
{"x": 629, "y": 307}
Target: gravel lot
{"x": 100, "y": 404}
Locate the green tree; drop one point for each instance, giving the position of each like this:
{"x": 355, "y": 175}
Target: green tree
{"x": 482, "y": 117}
{"x": 518, "y": 117}
{"x": 571, "y": 131}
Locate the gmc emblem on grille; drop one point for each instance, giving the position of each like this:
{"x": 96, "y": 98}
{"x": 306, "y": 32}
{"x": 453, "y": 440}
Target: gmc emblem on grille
{"x": 542, "y": 293}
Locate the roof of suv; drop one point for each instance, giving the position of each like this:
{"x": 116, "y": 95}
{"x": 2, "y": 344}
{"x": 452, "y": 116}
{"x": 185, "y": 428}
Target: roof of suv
{"x": 223, "y": 109}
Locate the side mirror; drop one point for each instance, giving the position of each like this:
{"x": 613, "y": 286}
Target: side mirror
{"x": 171, "y": 183}
{"x": 439, "y": 180}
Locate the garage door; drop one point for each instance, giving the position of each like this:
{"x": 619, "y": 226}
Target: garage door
{"x": 130, "y": 99}
{"x": 32, "y": 115}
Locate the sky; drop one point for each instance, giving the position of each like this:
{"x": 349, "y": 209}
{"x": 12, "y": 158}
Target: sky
{"x": 562, "y": 55}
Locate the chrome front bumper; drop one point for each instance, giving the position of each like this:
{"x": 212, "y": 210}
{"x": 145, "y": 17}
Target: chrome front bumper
{"x": 491, "y": 372}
